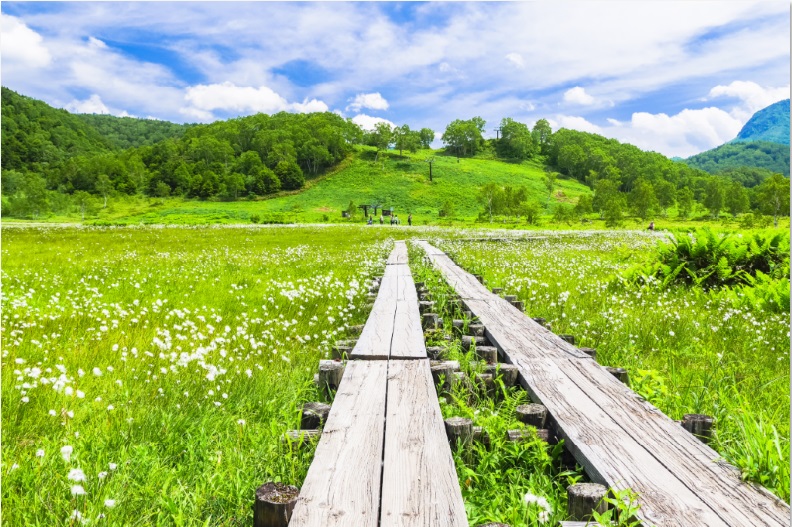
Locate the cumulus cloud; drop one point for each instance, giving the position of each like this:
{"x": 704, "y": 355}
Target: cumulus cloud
{"x": 578, "y": 95}
{"x": 753, "y": 96}
{"x": 576, "y": 123}
{"x": 372, "y": 101}
{"x": 203, "y": 99}
{"x": 367, "y": 122}
{"x": 92, "y": 104}
{"x": 21, "y": 45}
{"x": 516, "y": 59}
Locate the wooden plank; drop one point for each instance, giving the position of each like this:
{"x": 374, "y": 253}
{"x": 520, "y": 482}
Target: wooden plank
{"x": 399, "y": 254}
{"x": 342, "y": 487}
{"x": 374, "y": 342}
{"x": 408, "y": 341}
{"x": 622, "y": 440}
{"x": 419, "y": 486}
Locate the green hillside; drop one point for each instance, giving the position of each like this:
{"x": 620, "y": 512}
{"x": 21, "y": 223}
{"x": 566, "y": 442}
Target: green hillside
{"x": 755, "y": 154}
{"x": 130, "y": 132}
{"x": 35, "y": 134}
{"x": 401, "y": 182}
{"x": 768, "y": 124}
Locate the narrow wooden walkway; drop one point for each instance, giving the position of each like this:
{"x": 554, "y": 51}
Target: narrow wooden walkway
{"x": 621, "y": 440}
{"x": 383, "y": 458}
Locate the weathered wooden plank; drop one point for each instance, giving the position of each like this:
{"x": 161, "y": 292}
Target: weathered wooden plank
{"x": 375, "y": 340}
{"x": 342, "y": 487}
{"x": 408, "y": 341}
{"x": 399, "y": 254}
{"x": 420, "y": 486}
{"x": 622, "y": 440}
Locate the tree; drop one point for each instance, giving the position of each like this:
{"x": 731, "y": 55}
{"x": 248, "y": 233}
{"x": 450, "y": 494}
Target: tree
{"x": 541, "y": 133}
{"x": 549, "y": 181}
{"x": 713, "y": 196}
{"x": 351, "y": 209}
{"x": 381, "y": 137}
{"x": 490, "y": 195}
{"x": 563, "y": 214}
{"x": 666, "y": 195}
{"x": 774, "y": 196}
{"x": 516, "y": 140}
{"x": 685, "y": 202}
{"x": 426, "y": 135}
{"x": 737, "y": 200}
{"x": 464, "y": 137}
{"x": 605, "y": 191}
{"x": 34, "y": 191}
{"x": 642, "y": 199}
{"x": 234, "y": 184}
{"x": 290, "y": 175}
{"x": 531, "y": 211}
{"x": 263, "y": 181}
{"x": 614, "y": 211}
{"x": 84, "y": 202}
{"x": 405, "y": 139}
{"x": 104, "y": 187}
{"x": 583, "y": 206}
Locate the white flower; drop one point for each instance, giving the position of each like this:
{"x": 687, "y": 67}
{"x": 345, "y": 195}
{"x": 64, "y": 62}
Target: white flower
{"x": 97, "y": 372}
{"x": 241, "y": 422}
{"x": 53, "y": 413}
{"x": 109, "y": 504}
{"x": 26, "y": 399}
{"x": 102, "y": 475}
{"x": 110, "y": 407}
{"x": 14, "y": 466}
{"x": 112, "y": 466}
{"x": 76, "y": 474}
{"x": 66, "y": 452}
{"x": 40, "y": 452}
{"x": 78, "y": 490}
{"x": 671, "y": 333}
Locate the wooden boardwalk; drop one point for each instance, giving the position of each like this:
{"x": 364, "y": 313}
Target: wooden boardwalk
{"x": 621, "y": 440}
{"x": 383, "y": 458}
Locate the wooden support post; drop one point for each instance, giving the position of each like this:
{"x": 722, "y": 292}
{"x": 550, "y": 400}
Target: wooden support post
{"x": 532, "y": 414}
{"x": 468, "y": 341}
{"x": 425, "y": 297}
{"x": 425, "y": 306}
{"x": 459, "y": 429}
{"x": 356, "y": 330}
{"x": 297, "y": 439}
{"x": 525, "y": 435}
{"x": 479, "y": 277}
{"x": 314, "y": 415}
{"x": 444, "y": 371}
{"x": 488, "y": 354}
{"x": 510, "y": 298}
{"x": 420, "y": 285}
{"x": 568, "y": 338}
{"x": 619, "y": 373}
{"x": 507, "y": 372}
{"x": 699, "y": 425}
{"x": 476, "y": 330}
{"x": 458, "y": 325}
{"x": 274, "y": 505}
{"x": 519, "y": 305}
{"x": 481, "y": 436}
{"x": 486, "y": 381}
{"x": 436, "y": 352}
{"x": 341, "y": 350}
{"x": 539, "y": 320}
{"x": 497, "y": 290}
{"x": 330, "y": 374}
{"x": 591, "y": 352}
{"x": 430, "y": 320}
{"x": 583, "y": 498}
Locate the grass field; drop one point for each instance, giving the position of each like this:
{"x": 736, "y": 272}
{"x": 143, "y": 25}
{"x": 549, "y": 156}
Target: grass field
{"x": 148, "y": 373}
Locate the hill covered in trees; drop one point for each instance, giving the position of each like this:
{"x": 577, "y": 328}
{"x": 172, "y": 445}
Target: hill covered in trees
{"x": 769, "y": 124}
{"x": 131, "y": 132}
{"x": 734, "y": 155}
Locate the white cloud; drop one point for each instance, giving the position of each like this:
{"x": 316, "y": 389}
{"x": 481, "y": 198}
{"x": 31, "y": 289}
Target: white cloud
{"x": 368, "y": 122}
{"x": 516, "y": 59}
{"x": 576, "y": 123}
{"x": 309, "y": 106}
{"x": 372, "y": 101}
{"x": 21, "y": 45}
{"x": 92, "y": 104}
{"x": 753, "y": 96}
{"x": 227, "y": 96}
{"x": 578, "y": 95}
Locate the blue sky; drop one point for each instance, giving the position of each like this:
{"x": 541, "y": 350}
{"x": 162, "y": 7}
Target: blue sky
{"x": 677, "y": 77}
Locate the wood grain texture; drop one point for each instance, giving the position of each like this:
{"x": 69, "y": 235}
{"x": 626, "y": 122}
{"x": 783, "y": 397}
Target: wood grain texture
{"x": 375, "y": 340}
{"x": 620, "y": 439}
{"x": 420, "y": 486}
{"x": 408, "y": 340}
{"x": 342, "y": 487}
{"x": 399, "y": 254}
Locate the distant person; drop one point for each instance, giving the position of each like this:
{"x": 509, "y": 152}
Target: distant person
{"x": 651, "y": 226}
{"x": 409, "y": 219}
{"x": 382, "y": 219}
{"x": 370, "y": 221}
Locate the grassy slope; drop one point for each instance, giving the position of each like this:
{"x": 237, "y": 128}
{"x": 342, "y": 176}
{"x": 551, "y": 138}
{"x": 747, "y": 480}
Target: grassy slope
{"x": 398, "y": 181}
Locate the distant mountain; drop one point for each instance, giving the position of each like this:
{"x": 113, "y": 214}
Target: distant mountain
{"x": 769, "y": 124}
{"x": 762, "y": 143}
{"x": 754, "y": 154}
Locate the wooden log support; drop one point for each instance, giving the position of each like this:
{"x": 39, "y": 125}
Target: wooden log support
{"x": 481, "y": 436}
{"x": 356, "y": 330}
{"x": 507, "y": 372}
{"x": 699, "y": 425}
{"x": 539, "y": 320}
{"x": 420, "y": 286}
{"x": 298, "y": 439}
{"x": 425, "y": 297}
{"x": 532, "y": 414}
{"x": 274, "y": 504}
{"x": 488, "y": 354}
{"x": 443, "y": 372}
{"x": 314, "y": 415}
{"x": 436, "y": 352}
{"x": 469, "y": 340}
{"x": 330, "y": 374}
{"x": 425, "y": 306}
{"x": 591, "y": 352}
{"x": 486, "y": 382}
{"x": 619, "y": 373}
{"x": 523, "y": 434}
{"x": 477, "y": 330}
{"x": 510, "y": 298}
{"x": 459, "y": 429}
{"x": 568, "y": 338}
{"x": 584, "y": 498}
{"x": 479, "y": 277}
{"x": 497, "y": 290}
{"x": 341, "y": 351}
{"x": 430, "y": 320}
{"x": 519, "y": 305}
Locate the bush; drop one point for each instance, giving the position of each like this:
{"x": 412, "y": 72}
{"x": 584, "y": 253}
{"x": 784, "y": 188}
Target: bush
{"x": 255, "y": 218}
{"x": 446, "y": 210}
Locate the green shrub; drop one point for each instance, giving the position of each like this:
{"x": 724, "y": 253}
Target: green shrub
{"x": 255, "y": 218}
